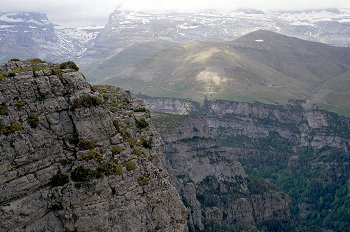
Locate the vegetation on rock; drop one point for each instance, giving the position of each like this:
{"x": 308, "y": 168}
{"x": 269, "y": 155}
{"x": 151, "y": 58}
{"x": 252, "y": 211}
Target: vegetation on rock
{"x": 20, "y": 104}
{"x": 142, "y": 109}
{"x": 90, "y": 155}
{"x": 11, "y": 74}
{"x": 90, "y": 158}
{"x": 13, "y": 127}
{"x": 130, "y": 165}
{"x": 60, "y": 179}
{"x": 146, "y": 143}
{"x": 116, "y": 150}
{"x": 86, "y": 101}
{"x": 141, "y": 124}
{"x": 83, "y": 174}
{"x": 143, "y": 181}
{"x": 36, "y": 61}
{"x": 69, "y": 65}
{"x": 4, "y": 110}
{"x": 33, "y": 121}
{"x": 85, "y": 144}
{"x": 110, "y": 169}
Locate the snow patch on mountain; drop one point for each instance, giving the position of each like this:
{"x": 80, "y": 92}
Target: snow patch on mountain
{"x": 27, "y": 35}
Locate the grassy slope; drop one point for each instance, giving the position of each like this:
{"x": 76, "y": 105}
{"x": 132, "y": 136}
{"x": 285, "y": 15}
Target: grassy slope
{"x": 334, "y": 95}
{"x": 274, "y": 70}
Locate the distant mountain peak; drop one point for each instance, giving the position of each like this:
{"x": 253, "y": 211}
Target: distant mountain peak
{"x": 26, "y": 35}
{"x": 22, "y": 17}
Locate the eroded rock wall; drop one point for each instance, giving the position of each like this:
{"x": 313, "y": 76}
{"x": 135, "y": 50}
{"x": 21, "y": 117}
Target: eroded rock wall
{"x": 218, "y": 193}
{"x": 75, "y": 159}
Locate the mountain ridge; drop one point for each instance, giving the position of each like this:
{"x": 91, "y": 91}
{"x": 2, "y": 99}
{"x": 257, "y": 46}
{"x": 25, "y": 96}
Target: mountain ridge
{"x": 262, "y": 66}
{"x": 126, "y": 28}
{"x": 27, "y": 35}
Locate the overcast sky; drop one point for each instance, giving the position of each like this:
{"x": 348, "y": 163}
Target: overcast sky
{"x": 89, "y": 12}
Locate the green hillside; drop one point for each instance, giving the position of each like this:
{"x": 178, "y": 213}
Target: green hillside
{"x": 261, "y": 66}
{"x": 334, "y": 95}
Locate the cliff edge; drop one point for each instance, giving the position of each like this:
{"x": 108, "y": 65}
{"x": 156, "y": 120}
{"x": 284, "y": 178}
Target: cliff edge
{"x": 76, "y": 159}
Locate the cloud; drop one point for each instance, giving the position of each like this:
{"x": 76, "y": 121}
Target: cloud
{"x": 73, "y": 12}
{"x": 66, "y": 12}
{"x": 233, "y": 4}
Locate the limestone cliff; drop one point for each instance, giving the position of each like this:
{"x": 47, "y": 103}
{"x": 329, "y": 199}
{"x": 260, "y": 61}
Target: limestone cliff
{"x": 170, "y": 105}
{"x": 300, "y": 126}
{"x": 218, "y": 193}
{"x": 74, "y": 159}
{"x": 304, "y": 151}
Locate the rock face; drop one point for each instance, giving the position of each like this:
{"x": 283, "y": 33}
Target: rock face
{"x": 304, "y": 151}
{"x": 170, "y": 105}
{"x": 216, "y": 190}
{"x": 74, "y": 159}
{"x": 298, "y": 124}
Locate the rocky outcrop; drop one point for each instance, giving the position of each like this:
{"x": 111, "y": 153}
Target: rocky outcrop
{"x": 170, "y": 105}
{"x": 216, "y": 190}
{"x": 303, "y": 151}
{"x": 298, "y": 124}
{"x": 76, "y": 158}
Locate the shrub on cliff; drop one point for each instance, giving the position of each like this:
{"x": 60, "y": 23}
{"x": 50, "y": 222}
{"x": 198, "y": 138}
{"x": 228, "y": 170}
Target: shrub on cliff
{"x": 130, "y": 165}
{"x": 143, "y": 181}
{"x": 20, "y": 104}
{"x": 36, "y": 61}
{"x": 86, "y": 101}
{"x": 109, "y": 169}
{"x": 33, "y": 120}
{"x": 141, "y": 124}
{"x": 142, "y": 109}
{"x": 11, "y": 74}
{"x": 59, "y": 179}
{"x": 4, "y": 110}
{"x": 85, "y": 144}
{"x": 138, "y": 152}
{"x": 146, "y": 143}
{"x": 69, "y": 65}
{"x": 13, "y": 127}
{"x": 116, "y": 150}
{"x": 2, "y": 76}
{"x": 82, "y": 174}
{"x": 2, "y": 128}
{"x": 91, "y": 154}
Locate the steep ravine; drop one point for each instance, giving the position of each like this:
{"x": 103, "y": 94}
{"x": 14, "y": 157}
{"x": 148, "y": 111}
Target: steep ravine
{"x": 218, "y": 193}
{"x": 305, "y": 152}
{"x": 75, "y": 159}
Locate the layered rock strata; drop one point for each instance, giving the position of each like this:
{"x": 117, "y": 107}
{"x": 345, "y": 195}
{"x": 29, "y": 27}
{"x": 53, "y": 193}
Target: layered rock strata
{"x": 218, "y": 193}
{"x": 75, "y": 159}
